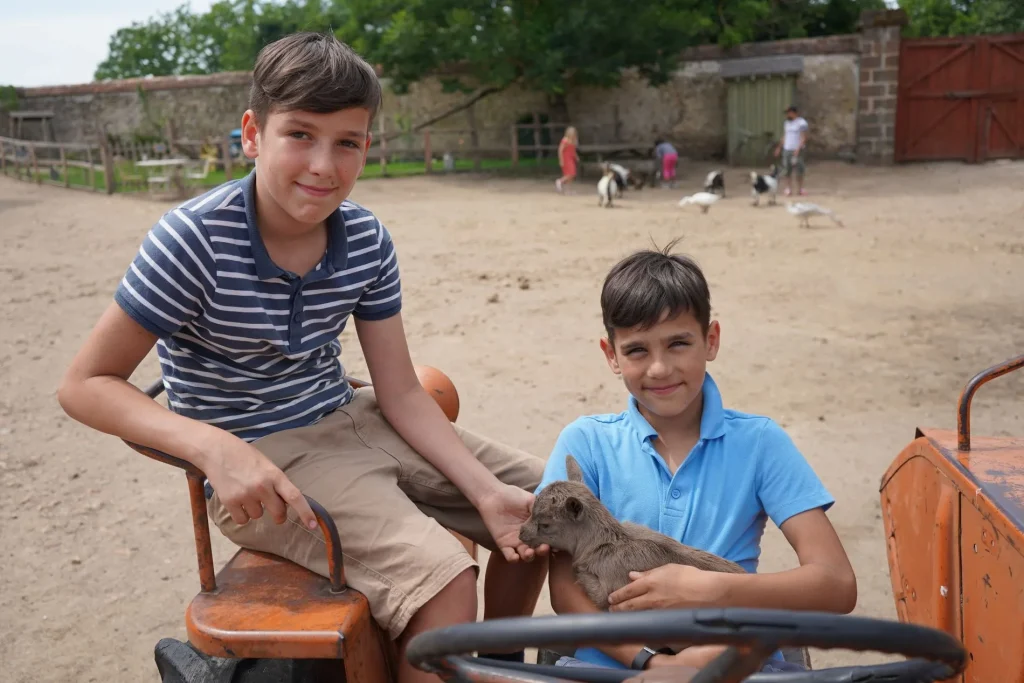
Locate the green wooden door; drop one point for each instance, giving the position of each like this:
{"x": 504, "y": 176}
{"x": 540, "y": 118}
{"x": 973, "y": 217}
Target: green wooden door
{"x": 756, "y": 110}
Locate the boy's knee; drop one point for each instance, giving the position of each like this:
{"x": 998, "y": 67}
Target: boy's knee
{"x": 454, "y": 604}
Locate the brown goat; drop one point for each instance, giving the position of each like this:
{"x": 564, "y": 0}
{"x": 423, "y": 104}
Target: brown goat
{"x": 567, "y": 516}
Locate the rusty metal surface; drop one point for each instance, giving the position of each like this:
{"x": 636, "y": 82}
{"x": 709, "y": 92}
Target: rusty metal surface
{"x": 954, "y": 524}
{"x": 963, "y": 413}
{"x": 267, "y": 607}
{"x": 960, "y": 98}
{"x": 920, "y": 507}
{"x": 993, "y": 605}
{"x": 990, "y": 476}
{"x": 201, "y": 531}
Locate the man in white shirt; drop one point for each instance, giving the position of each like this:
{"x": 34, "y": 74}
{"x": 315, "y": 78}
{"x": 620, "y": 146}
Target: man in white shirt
{"x": 794, "y": 139}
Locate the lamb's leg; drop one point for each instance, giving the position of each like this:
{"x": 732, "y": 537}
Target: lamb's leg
{"x": 756, "y": 196}
{"x": 594, "y": 589}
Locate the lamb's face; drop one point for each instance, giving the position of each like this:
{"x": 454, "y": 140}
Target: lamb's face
{"x": 559, "y": 516}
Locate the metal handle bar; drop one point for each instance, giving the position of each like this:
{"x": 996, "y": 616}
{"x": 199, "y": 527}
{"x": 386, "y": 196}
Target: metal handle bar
{"x": 963, "y": 413}
{"x": 335, "y": 562}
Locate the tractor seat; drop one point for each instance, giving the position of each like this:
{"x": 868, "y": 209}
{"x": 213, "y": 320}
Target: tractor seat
{"x": 263, "y": 607}
{"x": 266, "y": 608}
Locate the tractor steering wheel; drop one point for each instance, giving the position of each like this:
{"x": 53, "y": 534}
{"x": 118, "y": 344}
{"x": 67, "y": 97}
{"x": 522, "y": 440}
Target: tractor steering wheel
{"x": 751, "y": 634}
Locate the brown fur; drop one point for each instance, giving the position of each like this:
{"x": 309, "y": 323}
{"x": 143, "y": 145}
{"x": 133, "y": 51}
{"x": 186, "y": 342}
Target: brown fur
{"x": 567, "y": 516}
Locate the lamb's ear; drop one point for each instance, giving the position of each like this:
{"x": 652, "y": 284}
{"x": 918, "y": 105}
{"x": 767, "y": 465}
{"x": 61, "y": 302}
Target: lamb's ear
{"x": 574, "y": 506}
{"x": 572, "y": 468}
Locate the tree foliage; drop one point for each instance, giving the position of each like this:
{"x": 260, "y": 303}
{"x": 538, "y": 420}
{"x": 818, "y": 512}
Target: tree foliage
{"x": 546, "y": 44}
{"x": 963, "y": 17}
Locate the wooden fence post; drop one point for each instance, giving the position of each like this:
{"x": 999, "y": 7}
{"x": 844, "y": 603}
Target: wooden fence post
{"x": 35, "y": 164}
{"x": 64, "y": 167}
{"x": 515, "y": 146}
{"x": 474, "y": 137}
{"x": 536, "y": 137}
{"x": 229, "y": 171}
{"x": 428, "y": 158}
{"x": 108, "y": 165}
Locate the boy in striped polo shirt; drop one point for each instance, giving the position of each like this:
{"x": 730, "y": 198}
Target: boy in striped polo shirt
{"x": 244, "y": 291}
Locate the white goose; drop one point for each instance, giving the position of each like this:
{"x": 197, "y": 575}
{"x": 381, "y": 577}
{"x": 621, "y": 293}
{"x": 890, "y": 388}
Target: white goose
{"x": 804, "y": 211}
{"x": 702, "y": 199}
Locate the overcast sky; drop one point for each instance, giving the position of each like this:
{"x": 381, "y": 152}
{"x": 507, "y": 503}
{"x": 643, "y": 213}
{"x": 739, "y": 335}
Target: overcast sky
{"x": 57, "y": 42}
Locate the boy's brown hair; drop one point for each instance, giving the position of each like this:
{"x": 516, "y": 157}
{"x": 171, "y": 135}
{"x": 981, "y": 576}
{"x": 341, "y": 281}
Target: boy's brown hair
{"x": 642, "y": 287}
{"x": 312, "y": 72}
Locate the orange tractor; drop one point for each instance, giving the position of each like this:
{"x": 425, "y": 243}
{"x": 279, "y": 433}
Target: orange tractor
{"x": 953, "y": 509}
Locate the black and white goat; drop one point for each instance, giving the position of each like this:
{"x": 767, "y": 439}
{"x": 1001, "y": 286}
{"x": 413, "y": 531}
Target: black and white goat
{"x": 764, "y": 184}
{"x": 607, "y": 186}
{"x": 714, "y": 182}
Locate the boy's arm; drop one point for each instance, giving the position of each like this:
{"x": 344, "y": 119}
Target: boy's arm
{"x": 164, "y": 288}
{"x": 420, "y": 421}
{"x": 568, "y": 597}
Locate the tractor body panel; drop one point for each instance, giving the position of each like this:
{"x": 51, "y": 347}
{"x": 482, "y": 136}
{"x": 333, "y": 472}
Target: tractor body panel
{"x": 954, "y": 527}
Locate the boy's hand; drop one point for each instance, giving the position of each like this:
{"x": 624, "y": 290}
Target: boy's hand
{"x": 247, "y": 483}
{"x": 504, "y": 513}
{"x": 672, "y": 586}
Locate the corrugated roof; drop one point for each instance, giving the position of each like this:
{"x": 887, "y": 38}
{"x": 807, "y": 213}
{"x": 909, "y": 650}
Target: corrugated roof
{"x": 761, "y": 66}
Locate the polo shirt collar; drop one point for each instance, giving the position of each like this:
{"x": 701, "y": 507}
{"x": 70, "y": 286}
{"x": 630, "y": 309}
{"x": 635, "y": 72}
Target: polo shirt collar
{"x": 266, "y": 269}
{"x": 712, "y": 419}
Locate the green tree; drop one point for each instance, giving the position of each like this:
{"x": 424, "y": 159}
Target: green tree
{"x": 226, "y": 38}
{"x": 929, "y": 18}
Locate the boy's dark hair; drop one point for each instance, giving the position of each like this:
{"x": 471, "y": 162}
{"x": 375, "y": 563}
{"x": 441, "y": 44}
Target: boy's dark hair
{"x": 313, "y": 72}
{"x": 640, "y": 288}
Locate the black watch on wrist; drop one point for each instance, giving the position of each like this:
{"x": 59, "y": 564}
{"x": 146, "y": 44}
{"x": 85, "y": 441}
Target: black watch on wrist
{"x": 644, "y": 656}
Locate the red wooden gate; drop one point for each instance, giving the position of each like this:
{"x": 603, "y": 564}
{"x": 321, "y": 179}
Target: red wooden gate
{"x": 960, "y": 98}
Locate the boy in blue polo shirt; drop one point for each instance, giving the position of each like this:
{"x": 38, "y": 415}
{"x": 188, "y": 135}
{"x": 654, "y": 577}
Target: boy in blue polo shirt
{"x": 679, "y": 462}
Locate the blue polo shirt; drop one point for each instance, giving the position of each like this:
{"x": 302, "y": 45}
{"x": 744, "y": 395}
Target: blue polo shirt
{"x": 743, "y": 470}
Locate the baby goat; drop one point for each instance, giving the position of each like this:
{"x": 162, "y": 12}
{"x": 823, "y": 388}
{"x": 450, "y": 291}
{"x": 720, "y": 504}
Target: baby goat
{"x": 607, "y": 187}
{"x": 567, "y": 516}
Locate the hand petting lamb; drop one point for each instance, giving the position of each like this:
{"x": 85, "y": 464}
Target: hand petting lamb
{"x": 607, "y": 187}
{"x": 567, "y": 516}
{"x": 702, "y": 199}
{"x": 715, "y": 182}
{"x": 804, "y": 211}
{"x": 764, "y": 184}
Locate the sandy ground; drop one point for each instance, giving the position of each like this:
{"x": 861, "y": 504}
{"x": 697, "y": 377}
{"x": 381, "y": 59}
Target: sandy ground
{"x": 849, "y": 337}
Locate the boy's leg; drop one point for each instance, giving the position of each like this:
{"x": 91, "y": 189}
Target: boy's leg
{"x": 801, "y": 167}
{"x": 787, "y": 170}
{"x": 415, "y": 574}
{"x": 511, "y": 589}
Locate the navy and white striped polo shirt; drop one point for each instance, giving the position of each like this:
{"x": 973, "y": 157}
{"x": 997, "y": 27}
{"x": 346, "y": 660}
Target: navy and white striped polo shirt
{"x": 245, "y": 345}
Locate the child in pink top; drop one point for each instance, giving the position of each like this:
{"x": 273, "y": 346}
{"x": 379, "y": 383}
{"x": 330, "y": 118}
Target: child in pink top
{"x": 568, "y": 156}
{"x": 669, "y": 157}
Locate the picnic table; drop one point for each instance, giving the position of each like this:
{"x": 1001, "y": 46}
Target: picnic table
{"x": 174, "y": 174}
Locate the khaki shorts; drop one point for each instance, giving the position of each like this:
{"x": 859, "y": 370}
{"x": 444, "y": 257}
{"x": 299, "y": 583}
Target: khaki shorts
{"x": 391, "y": 506}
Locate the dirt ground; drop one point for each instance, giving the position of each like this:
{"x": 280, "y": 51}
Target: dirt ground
{"x": 850, "y": 337}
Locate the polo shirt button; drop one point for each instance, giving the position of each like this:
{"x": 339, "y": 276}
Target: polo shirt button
{"x": 297, "y": 316}
{"x": 675, "y": 493}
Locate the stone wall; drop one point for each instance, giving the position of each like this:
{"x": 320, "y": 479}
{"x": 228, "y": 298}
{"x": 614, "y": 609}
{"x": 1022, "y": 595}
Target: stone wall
{"x": 690, "y": 110}
{"x": 847, "y": 92}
